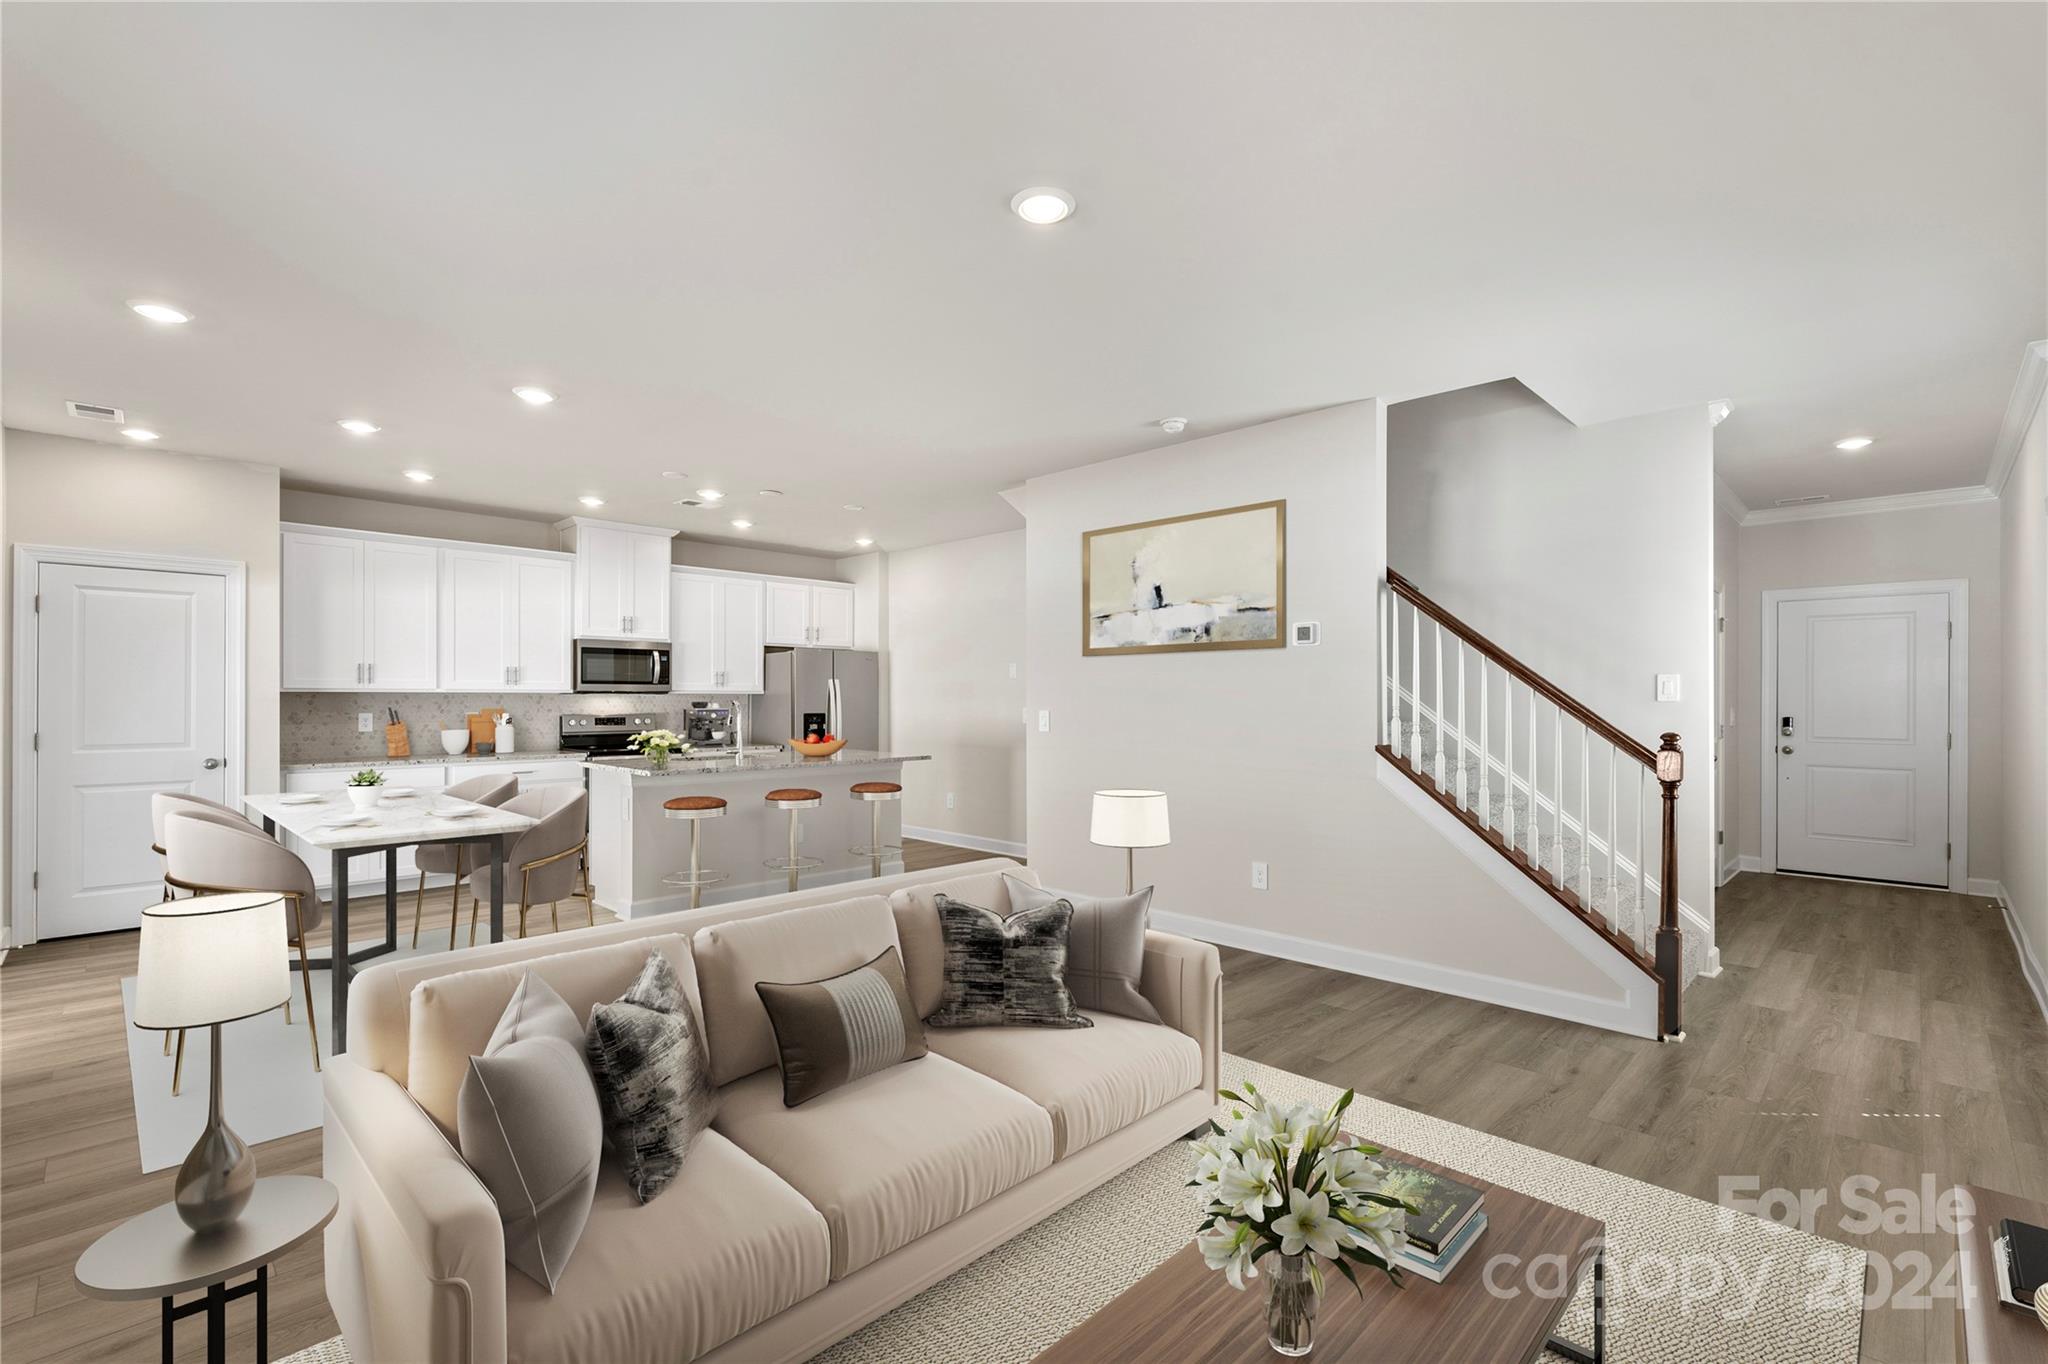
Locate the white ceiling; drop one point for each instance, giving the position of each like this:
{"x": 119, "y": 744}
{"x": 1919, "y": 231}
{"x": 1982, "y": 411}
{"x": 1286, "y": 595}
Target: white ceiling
{"x": 770, "y": 246}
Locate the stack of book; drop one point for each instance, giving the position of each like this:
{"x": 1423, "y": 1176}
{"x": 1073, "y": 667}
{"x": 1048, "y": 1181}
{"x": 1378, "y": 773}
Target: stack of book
{"x": 2019, "y": 1253}
{"x": 1449, "y": 1218}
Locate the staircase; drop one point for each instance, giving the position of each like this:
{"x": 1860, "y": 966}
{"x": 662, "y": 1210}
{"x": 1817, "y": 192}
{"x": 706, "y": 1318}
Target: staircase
{"x": 1585, "y": 812}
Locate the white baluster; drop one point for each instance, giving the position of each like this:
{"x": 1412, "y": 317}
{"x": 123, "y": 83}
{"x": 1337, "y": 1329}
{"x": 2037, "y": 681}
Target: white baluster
{"x": 1586, "y": 813}
{"x": 1642, "y": 856}
{"x": 1533, "y": 816}
{"x": 1439, "y": 637}
{"x": 1400, "y": 740}
{"x": 1415, "y": 680}
{"x": 1464, "y": 759}
{"x": 1507, "y": 749}
{"x": 1559, "y": 873}
{"x": 1386, "y": 683}
{"x": 1485, "y": 755}
{"x": 1613, "y": 866}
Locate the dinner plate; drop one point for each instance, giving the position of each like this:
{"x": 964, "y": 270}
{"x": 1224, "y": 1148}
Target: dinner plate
{"x": 303, "y": 798}
{"x": 347, "y": 821}
{"x": 469, "y": 813}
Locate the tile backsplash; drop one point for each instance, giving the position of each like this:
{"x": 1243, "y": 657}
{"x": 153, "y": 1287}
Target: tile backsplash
{"x": 320, "y": 726}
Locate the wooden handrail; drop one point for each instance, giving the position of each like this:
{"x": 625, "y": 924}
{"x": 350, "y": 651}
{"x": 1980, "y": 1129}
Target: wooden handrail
{"x": 1529, "y": 677}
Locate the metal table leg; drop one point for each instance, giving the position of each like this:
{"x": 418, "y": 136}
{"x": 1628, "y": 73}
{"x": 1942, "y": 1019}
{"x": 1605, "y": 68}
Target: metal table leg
{"x": 391, "y": 895}
{"x": 337, "y": 1026}
{"x": 498, "y": 888}
{"x": 214, "y": 1303}
{"x": 1575, "y": 1352}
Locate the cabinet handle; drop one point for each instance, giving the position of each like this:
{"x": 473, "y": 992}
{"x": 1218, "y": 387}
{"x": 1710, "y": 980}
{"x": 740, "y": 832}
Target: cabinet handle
{"x": 370, "y": 672}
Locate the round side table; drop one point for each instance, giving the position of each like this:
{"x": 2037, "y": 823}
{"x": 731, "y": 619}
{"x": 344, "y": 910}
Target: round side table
{"x": 156, "y": 1255}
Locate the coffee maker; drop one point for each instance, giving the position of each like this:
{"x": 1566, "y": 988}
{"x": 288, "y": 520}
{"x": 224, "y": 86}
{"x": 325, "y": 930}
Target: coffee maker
{"x": 709, "y": 724}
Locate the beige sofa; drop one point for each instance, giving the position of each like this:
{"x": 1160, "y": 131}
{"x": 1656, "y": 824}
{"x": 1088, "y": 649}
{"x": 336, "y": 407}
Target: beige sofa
{"x": 788, "y": 1229}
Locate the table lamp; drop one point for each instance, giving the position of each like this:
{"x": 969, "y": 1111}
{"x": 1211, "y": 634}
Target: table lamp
{"x": 1127, "y": 820}
{"x": 205, "y": 961}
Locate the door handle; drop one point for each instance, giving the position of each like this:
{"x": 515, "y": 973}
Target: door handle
{"x": 1786, "y": 749}
{"x": 210, "y": 764}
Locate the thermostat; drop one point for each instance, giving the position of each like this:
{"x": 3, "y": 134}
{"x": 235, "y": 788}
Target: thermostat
{"x": 1307, "y": 632}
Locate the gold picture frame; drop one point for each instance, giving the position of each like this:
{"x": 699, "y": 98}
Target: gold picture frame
{"x": 1225, "y": 571}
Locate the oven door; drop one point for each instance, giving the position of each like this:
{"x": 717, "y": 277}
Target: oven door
{"x": 621, "y": 665}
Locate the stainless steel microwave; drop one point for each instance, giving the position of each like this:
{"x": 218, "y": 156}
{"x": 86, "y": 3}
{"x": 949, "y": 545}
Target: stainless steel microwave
{"x": 621, "y": 665}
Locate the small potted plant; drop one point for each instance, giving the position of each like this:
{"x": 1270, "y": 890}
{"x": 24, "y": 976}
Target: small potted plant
{"x": 363, "y": 788}
{"x": 656, "y": 745}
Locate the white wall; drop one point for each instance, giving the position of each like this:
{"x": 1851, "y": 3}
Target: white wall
{"x": 1890, "y": 547}
{"x": 2023, "y": 789}
{"x": 84, "y": 494}
{"x": 1265, "y": 754}
{"x": 1728, "y": 586}
{"x": 955, "y": 616}
{"x": 1586, "y": 552}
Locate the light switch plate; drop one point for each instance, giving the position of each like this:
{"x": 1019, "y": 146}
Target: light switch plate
{"x": 1258, "y": 876}
{"x": 1045, "y": 722}
{"x": 1667, "y": 686}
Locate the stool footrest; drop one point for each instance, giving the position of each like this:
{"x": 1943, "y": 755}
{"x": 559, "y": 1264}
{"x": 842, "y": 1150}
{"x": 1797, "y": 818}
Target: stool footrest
{"x": 686, "y": 881}
{"x": 882, "y": 850}
{"x": 794, "y": 863}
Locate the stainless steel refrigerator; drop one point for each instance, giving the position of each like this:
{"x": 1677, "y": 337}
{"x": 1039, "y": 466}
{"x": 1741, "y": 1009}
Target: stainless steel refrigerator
{"x": 838, "y": 688}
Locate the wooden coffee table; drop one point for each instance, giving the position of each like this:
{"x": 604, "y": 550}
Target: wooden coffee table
{"x": 1184, "y": 1313}
{"x": 1987, "y": 1331}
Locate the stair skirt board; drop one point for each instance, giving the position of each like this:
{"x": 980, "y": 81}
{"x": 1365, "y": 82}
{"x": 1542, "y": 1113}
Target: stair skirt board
{"x": 1702, "y": 957}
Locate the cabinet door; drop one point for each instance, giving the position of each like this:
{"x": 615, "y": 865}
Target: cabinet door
{"x": 693, "y": 632}
{"x": 401, "y": 610}
{"x": 832, "y": 617}
{"x": 540, "y": 625}
{"x": 321, "y": 613}
{"x": 739, "y": 632}
{"x": 478, "y": 603}
{"x": 603, "y": 580}
{"x": 788, "y": 613}
{"x": 648, "y": 568}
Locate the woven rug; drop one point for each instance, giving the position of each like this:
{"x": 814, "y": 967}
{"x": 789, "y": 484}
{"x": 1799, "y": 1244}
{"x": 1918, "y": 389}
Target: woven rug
{"x": 1665, "y": 1252}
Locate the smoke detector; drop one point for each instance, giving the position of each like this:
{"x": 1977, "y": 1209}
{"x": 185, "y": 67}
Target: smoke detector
{"x": 94, "y": 412}
{"x": 690, "y": 502}
{"x": 1173, "y": 426}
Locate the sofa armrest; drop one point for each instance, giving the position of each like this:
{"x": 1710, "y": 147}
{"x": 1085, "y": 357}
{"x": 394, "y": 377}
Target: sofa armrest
{"x": 416, "y": 1254}
{"x": 1183, "y": 979}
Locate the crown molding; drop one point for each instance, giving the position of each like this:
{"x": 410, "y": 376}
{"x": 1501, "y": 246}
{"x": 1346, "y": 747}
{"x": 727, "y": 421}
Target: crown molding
{"x": 1870, "y": 506}
{"x": 1730, "y": 503}
{"x": 2019, "y": 414}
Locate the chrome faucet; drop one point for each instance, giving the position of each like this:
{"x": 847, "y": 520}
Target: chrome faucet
{"x": 740, "y": 706}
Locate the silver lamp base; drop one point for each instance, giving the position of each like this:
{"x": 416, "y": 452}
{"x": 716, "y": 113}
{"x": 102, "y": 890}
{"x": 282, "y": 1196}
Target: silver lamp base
{"x": 218, "y": 1177}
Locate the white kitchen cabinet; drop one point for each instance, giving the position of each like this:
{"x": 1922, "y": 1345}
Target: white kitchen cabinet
{"x": 358, "y": 614}
{"x": 505, "y": 621}
{"x": 810, "y": 613}
{"x": 621, "y": 580}
{"x": 716, "y": 633}
{"x": 540, "y": 771}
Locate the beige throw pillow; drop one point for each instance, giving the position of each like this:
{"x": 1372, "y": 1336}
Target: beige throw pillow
{"x": 527, "y": 1123}
{"x": 1105, "y": 946}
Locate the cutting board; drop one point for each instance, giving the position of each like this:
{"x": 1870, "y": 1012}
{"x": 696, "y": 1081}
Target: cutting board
{"x": 483, "y": 729}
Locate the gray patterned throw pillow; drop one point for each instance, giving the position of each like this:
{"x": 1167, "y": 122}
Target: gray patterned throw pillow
{"x": 1105, "y": 946}
{"x": 653, "y": 1077}
{"x": 1006, "y": 971}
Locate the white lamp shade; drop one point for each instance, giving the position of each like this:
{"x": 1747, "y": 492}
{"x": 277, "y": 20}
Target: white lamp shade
{"x": 1129, "y": 819}
{"x": 211, "y": 959}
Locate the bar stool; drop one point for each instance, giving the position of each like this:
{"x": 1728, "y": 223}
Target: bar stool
{"x": 793, "y": 799}
{"x": 696, "y": 809}
{"x": 874, "y": 793}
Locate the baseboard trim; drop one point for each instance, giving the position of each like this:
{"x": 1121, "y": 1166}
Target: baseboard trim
{"x": 1000, "y": 846}
{"x": 1614, "y": 1015}
{"x": 2030, "y": 970}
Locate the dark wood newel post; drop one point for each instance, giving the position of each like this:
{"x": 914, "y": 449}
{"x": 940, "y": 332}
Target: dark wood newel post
{"x": 1670, "y": 940}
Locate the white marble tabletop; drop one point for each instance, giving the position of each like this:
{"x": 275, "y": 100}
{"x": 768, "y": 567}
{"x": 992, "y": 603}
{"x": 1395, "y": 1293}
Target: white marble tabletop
{"x": 396, "y": 818}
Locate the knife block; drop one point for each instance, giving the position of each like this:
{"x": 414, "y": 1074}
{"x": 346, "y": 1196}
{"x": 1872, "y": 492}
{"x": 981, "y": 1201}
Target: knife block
{"x": 396, "y": 742}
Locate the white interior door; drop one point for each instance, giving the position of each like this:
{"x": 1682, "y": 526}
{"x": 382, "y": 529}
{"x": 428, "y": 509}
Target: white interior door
{"x": 131, "y": 699}
{"x": 1862, "y": 737}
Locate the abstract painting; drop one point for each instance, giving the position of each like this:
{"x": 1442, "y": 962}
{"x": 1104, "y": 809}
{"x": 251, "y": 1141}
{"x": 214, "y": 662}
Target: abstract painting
{"x": 1214, "y": 580}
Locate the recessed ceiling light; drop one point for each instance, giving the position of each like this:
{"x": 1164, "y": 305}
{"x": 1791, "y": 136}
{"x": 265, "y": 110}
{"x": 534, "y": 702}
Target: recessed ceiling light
{"x": 356, "y": 426}
{"x": 419, "y": 475}
{"x": 769, "y": 492}
{"x": 138, "y": 433}
{"x": 672, "y": 473}
{"x": 591, "y": 501}
{"x": 741, "y": 523}
{"x": 1717, "y": 412}
{"x": 710, "y": 494}
{"x": 1173, "y": 426}
{"x": 853, "y": 506}
{"x": 1854, "y": 443}
{"x": 160, "y": 312}
{"x": 1042, "y": 205}
{"x": 863, "y": 542}
{"x": 537, "y": 397}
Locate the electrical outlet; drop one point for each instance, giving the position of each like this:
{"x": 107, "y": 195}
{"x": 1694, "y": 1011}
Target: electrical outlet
{"x": 365, "y": 722}
{"x": 1045, "y": 722}
{"x": 1258, "y": 876}
{"x": 949, "y": 800}
{"x": 1667, "y": 686}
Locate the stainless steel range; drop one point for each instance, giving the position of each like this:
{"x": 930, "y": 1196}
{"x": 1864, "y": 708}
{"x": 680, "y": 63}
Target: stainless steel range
{"x": 604, "y": 734}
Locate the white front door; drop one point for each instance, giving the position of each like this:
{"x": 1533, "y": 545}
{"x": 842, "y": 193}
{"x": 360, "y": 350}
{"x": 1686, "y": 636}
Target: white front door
{"x": 1862, "y": 743}
{"x": 131, "y": 698}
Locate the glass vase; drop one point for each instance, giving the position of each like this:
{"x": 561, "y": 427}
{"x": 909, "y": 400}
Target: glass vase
{"x": 658, "y": 761}
{"x": 1293, "y": 1292}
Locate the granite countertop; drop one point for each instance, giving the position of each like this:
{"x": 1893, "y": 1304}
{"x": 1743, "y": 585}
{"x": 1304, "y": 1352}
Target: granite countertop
{"x": 528, "y": 755}
{"x": 758, "y": 761}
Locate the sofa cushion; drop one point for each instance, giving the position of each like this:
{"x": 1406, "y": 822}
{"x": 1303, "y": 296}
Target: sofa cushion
{"x": 453, "y": 1016}
{"x": 894, "y": 1155}
{"x": 1105, "y": 946}
{"x": 647, "y": 1056}
{"x": 797, "y": 944}
{"x": 832, "y": 1031}
{"x": 728, "y": 1247}
{"x": 1092, "y": 1082}
{"x": 1006, "y": 971}
{"x": 917, "y": 925}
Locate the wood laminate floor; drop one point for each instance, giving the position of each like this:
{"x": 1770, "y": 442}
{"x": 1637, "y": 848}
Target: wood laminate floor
{"x": 1839, "y": 1008}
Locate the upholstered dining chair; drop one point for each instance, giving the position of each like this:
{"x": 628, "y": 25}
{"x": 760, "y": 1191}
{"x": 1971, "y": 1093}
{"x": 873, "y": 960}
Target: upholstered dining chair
{"x": 209, "y": 852}
{"x": 161, "y": 803}
{"x": 545, "y": 856}
{"x": 492, "y": 788}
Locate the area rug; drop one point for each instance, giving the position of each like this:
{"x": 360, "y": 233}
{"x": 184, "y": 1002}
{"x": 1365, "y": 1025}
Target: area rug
{"x": 1777, "y": 1300}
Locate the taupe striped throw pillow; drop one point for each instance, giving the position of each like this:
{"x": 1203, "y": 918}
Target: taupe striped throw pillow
{"x": 1006, "y": 971}
{"x": 832, "y": 1031}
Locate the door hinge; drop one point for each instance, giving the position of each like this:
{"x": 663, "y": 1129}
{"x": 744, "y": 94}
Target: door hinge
{"x": 1721, "y": 624}
{"x": 1951, "y": 629}
{"x": 1951, "y": 741}
{"x": 1951, "y": 852}
{"x": 39, "y": 604}
{"x": 35, "y": 880}
{"x": 35, "y": 742}
{"x": 1720, "y": 837}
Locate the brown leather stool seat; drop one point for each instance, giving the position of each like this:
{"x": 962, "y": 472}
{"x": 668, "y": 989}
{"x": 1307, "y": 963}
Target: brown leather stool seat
{"x": 694, "y": 803}
{"x": 875, "y": 788}
{"x": 695, "y": 809}
{"x": 783, "y": 795}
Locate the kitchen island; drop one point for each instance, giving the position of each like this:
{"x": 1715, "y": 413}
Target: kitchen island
{"x": 633, "y": 844}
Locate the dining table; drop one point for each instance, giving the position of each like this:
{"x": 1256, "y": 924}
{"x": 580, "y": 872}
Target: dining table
{"x": 330, "y": 822}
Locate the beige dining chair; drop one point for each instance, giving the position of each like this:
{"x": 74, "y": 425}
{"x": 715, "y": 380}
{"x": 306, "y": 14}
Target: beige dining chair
{"x": 161, "y": 803}
{"x": 208, "y": 852}
{"x": 545, "y": 855}
{"x": 492, "y": 788}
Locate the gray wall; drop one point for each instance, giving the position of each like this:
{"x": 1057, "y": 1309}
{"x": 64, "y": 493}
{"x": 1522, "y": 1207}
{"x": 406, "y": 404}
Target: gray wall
{"x": 2023, "y": 807}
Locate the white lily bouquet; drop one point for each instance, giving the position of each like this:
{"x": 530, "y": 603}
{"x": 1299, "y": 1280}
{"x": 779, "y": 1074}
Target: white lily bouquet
{"x": 657, "y": 745}
{"x": 1321, "y": 1189}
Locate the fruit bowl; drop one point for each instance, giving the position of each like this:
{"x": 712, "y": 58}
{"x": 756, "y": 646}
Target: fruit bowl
{"x": 820, "y": 749}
